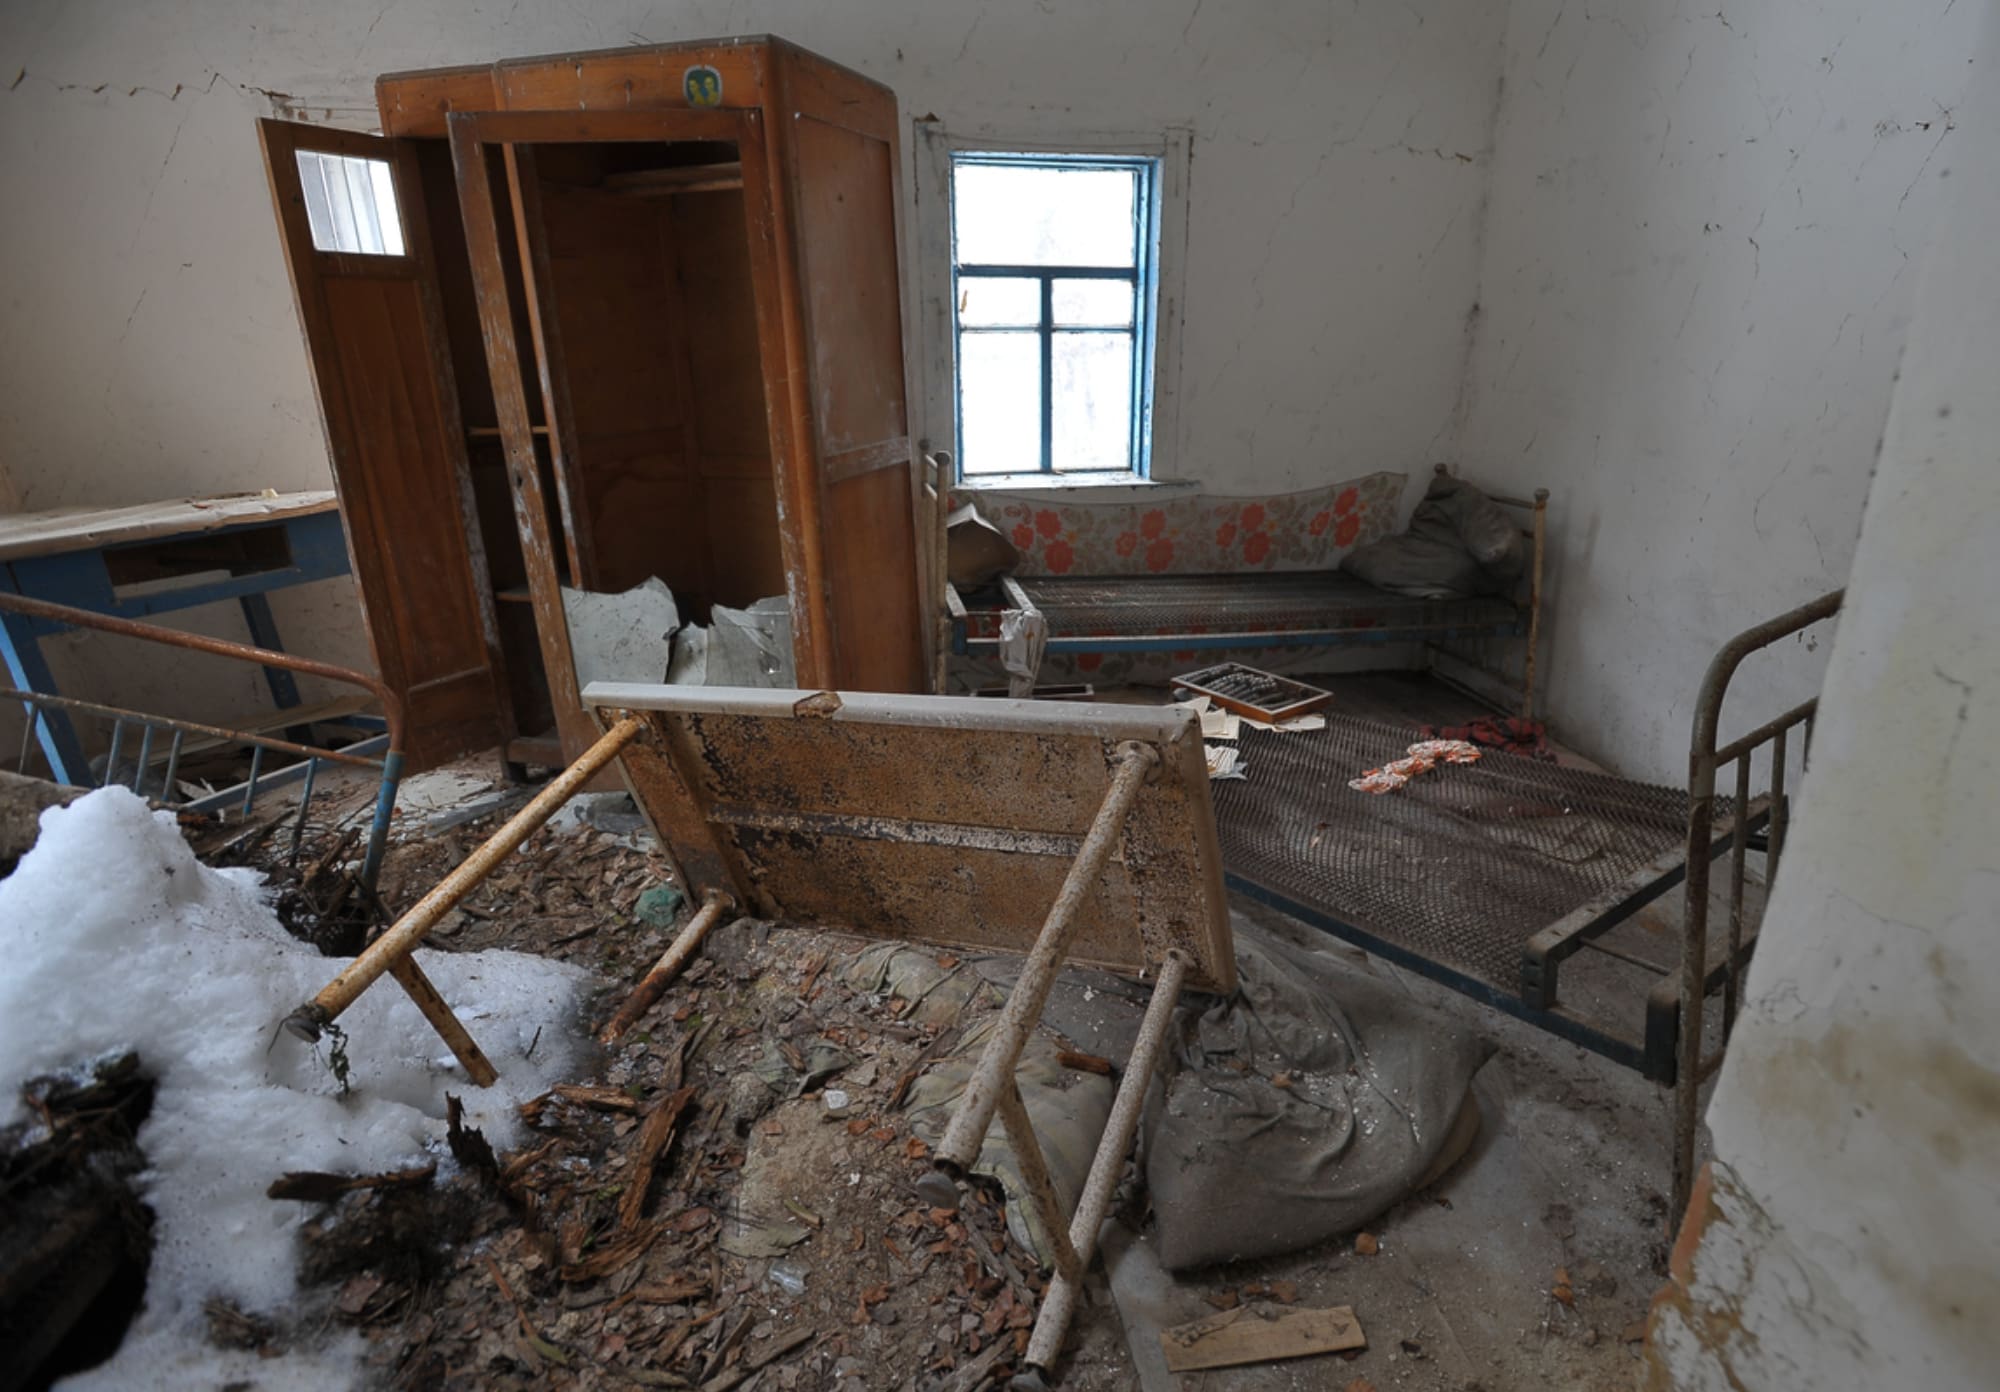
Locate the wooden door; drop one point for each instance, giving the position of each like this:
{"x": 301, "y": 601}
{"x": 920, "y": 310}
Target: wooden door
{"x": 494, "y": 156}
{"x": 351, "y": 218}
{"x": 843, "y": 167}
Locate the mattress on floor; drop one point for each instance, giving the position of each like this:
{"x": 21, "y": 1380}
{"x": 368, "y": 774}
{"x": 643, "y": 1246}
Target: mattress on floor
{"x": 1257, "y": 602}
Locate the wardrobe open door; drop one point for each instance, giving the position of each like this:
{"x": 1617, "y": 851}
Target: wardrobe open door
{"x": 842, "y": 164}
{"x": 351, "y": 218}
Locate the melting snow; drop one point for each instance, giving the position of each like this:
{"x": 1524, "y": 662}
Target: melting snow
{"x": 115, "y": 937}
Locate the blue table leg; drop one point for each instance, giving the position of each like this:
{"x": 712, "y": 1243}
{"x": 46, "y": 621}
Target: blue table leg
{"x": 28, "y": 672}
{"x": 264, "y": 633}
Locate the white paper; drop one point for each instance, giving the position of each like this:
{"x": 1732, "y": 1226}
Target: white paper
{"x": 1296, "y": 725}
{"x": 1223, "y": 762}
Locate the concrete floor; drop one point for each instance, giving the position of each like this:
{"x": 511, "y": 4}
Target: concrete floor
{"x": 1570, "y": 1170}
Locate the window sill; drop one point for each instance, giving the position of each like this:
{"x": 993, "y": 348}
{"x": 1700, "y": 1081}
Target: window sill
{"x": 1069, "y": 483}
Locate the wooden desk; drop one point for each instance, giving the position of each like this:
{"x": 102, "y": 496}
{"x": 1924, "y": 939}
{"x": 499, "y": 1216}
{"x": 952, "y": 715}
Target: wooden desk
{"x": 154, "y": 558}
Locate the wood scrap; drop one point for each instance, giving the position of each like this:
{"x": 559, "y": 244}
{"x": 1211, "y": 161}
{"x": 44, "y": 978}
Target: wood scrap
{"x": 675, "y": 1290}
{"x": 628, "y": 1245}
{"x": 468, "y": 1144}
{"x": 772, "y": 1352}
{"x": 318, "y": 1186}
{"x": 1260, "y": 1334}
{"x": 655, "y": 1135}
{"x": 603, "y": 1099}
{"x": 1084, "y": 1063}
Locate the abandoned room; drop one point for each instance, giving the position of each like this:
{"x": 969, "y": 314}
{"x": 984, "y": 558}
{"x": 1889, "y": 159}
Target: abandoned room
{"x": 1190, "y": 696}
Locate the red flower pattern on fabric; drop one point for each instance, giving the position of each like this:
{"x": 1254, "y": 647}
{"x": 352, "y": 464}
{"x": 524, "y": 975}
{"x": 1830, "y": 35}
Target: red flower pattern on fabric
{"x": 1024, "y": 537}
{"x": 1349, "y": 528}
{"x": 1048, "y": 522}
{"x": 1127, "y": 543}
{"x": 1089, "y": 662}
{"x": 1252, "y": 517}
{"x": 1346, "y": 501}
{"x": 1058, "y": 557}
{"x": 1225, "y": 535}
{"x": 1152, "y": 524}
{"x": 1256, "y": 547}
{"x": 1160, "y": 554}
{"x": 1318, "y": 524}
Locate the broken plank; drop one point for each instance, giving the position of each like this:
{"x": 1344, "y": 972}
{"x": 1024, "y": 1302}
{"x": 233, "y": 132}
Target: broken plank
{"x": 1254, "y": 1334}
{"x": 655, "y": 1135}
{"x": 315, "y": 1186}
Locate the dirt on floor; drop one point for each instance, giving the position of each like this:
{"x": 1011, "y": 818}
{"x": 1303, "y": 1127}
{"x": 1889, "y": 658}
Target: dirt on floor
{"x": 725, "y": 1203}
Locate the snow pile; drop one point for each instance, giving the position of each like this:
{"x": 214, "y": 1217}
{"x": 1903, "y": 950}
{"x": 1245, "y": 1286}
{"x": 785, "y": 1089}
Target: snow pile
{"x": 115, "y": 937}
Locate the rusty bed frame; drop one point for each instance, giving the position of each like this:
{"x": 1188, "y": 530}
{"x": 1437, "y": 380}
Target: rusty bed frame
{"x": 1069, "y": 833}
{"x": 1684, "y": 836}
{"x": 379, "y": 751}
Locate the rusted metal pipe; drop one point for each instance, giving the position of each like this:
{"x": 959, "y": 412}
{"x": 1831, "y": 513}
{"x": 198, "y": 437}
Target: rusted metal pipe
{"x": 967, "y": 1129}
{"x": 1108, "y": 1164}
{"x": 1535, "y": 603}
{"x": 186, "y": 727}
{"x": 713, "y": 905}
{"x": 402, "y": 936}
{"x": 1034, "y": 1168}
{"x": 1703, "y": 762}
{"x": 392, "y": 710}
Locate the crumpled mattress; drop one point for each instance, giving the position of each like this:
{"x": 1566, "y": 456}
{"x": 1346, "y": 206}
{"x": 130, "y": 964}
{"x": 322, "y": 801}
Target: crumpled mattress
{"x": 1301, "y": 1108}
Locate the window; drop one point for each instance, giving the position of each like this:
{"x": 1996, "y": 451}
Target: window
{"x": 351, "y": 204}
{"x": 1054, "y": 284}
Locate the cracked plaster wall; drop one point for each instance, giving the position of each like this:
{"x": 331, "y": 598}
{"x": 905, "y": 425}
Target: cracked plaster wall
{"x": 1854, "y": 1241}
{"x": 1339, "y": 162}
{"x": 1695, "y": 278}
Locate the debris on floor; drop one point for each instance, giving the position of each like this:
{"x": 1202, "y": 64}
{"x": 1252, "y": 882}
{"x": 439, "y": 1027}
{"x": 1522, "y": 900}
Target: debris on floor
{"x": 725, "y": 1199}
{"x": 1260, "y": 1334}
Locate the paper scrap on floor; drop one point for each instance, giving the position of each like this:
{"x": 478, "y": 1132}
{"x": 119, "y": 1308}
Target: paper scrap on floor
{"x": 1223, "y": 762}
{"x": 1297, "y": 725}
{"x": 1216, "y": 723}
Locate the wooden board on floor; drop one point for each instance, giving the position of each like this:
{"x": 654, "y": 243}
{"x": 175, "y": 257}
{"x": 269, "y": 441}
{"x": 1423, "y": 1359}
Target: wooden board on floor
{"x": 1250, "y": 1335}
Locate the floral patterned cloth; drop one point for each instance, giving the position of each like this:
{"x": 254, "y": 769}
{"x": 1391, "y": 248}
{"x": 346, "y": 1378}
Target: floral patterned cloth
{"x": 1196, "y": 534}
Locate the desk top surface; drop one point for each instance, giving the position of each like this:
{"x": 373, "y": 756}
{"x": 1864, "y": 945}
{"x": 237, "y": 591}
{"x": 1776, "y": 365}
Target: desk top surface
{"x": 62, "y": 530}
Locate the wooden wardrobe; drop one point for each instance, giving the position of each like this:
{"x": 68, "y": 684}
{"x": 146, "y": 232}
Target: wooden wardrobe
{"x": 644, "y": 320}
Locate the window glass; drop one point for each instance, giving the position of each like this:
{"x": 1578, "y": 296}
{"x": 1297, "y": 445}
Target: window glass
{"x": 991, "y": 300}
{"x": 1053, "y": 263}
{"x": 1092, "y": 304}
{"x": 1092, "y": 396}
{"x": 351, "y": 204}
{"x": 1000, "y": 402}
{"x": 1044, "y": 215}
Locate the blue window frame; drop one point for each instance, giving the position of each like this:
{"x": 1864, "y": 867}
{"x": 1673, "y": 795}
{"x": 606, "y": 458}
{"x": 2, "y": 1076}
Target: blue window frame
{"x": 1053, "y": 291}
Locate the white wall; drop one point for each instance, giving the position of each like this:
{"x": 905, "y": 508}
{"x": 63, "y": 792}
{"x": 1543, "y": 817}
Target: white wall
{"x": 1855, "y": 1238}
{"x": 1339, "y": 164}
{"x": 1695, "y": 278}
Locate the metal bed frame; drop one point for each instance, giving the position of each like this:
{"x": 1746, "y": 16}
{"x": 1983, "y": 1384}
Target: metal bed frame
{"x": 379, "y": 752}
{"x": 1150, "y": 604}
{"x": 1460, "y": 862}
